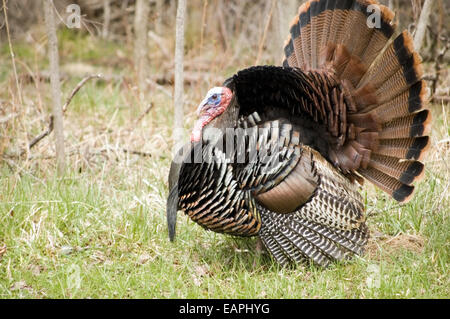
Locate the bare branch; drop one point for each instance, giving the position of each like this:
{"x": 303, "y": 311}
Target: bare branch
{"x": 19, "y": 93}
{"x": 136, "y": 152}
{"x": 149, "y": 107}
{"x": 160, "y": 43}
{"x": 47, "y": 132}
{"x": 78, "y": 87}
{"x": 266, "y": 28}
{"x": 440, "y": 98}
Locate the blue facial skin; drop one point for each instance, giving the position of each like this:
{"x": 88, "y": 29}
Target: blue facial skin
{"x": 211, "y": 101}
{"x": 214, "y": 99}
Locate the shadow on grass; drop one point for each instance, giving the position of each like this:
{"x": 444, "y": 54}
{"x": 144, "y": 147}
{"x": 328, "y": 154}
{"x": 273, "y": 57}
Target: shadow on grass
{"x": 244, "y": 254}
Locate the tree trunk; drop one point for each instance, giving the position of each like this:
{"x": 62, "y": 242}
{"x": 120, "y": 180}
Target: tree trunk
{"x": 55, "y": 83}
{"x": 286, "y": 11}
{"x": 106, "y": 18}
{"x": 422, "y": 24}
{"x": 140, "y": 44}
{"x": 179, "y": 76}
{"x": 391, "y": 4}
{"x": 159, "y": 16}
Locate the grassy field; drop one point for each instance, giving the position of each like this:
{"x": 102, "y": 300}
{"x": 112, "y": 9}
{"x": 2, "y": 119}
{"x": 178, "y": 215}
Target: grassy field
{"x": 100, "y": 231}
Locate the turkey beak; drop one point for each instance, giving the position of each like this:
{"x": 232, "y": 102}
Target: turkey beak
{"x": 171, "y": 210}
{"x": 201, "y": 106}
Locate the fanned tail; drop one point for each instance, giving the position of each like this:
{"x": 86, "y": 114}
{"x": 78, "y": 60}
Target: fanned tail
{"x": 389, "y": 126}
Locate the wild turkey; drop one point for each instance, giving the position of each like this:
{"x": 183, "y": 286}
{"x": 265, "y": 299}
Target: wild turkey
{"x": 348, "y": 104}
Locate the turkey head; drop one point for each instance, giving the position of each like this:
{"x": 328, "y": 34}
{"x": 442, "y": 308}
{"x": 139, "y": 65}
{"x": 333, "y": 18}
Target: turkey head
{"x": 217, "y": 110}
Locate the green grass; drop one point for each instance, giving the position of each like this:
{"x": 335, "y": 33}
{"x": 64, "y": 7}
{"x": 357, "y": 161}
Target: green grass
{"x": 100, "y": 231}
{"x": 81, "y": 237}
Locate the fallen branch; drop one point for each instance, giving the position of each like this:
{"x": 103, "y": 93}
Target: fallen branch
{"x": 124, "y": 150}
{"x": 47, "y": 132}
{"x": 41, "y": 136}
{"x": 159, "y": 87}
{"x": 192, "y": 77}
{"x": 136, "y": 152}
{"x": 78, "y": 87}
{"x": 440, "y": 98}
{"x": 160, "y": 43}
{"x": 149, "y": 107}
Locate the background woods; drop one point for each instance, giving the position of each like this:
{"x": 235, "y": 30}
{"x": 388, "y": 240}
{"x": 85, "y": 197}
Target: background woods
{"x": 105, "y": 213}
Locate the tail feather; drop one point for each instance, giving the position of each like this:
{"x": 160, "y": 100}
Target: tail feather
{"x": 274, "y": 248}
{"x": 291, "y": 238}
{"x": 326, "y": 246}
{"x": 408, "y": 102}
{"x": 383, "y": 78}
{"x": 294, "y": 56}
{"x": 340, "y": 13}
{"x": 399, "y": 191}
{"x": 305, "y": 29}
{"x": 290, "y": 243}
{"x": 321, "y": 22}
{"x": 304, "y": 244}
{"x": 315, "y": 25}
{"x": 399, "y": 54}
{"x": 414, "y": 125}
{"x": 360, "y": 36}
{"x": 288, "y": 247}
{"x": 324, "y": 10}
{"x": 404, "y": 148}
{"x": 351, "y": 240}
{"x": 398, "y": 83}
{"x": 380, "y": 36}
{"x": 406, "y": 171}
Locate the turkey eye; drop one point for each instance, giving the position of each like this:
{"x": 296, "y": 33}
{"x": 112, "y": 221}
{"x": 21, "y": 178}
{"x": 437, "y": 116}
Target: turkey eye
{"x": 214, "y": 97}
